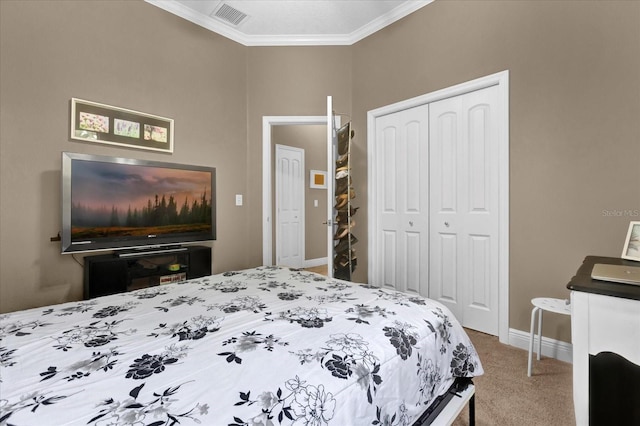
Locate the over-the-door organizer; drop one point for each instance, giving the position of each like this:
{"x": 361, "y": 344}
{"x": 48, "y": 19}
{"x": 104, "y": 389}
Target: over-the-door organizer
{"x": 345, "y": 255}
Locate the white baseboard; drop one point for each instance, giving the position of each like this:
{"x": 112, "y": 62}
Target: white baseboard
{"x": 551, "y": 348}
{"x": 310, "y": 263}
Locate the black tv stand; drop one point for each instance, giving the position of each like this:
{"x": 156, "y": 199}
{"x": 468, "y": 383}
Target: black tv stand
{"x": 118, "y": 272}
{"x": 149, "y": 250}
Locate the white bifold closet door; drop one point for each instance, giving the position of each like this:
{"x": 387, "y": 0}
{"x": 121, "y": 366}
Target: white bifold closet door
{"x": 464, "y": 219}
{"x": 436, "y": 210}
{"x": 402, "y": 194}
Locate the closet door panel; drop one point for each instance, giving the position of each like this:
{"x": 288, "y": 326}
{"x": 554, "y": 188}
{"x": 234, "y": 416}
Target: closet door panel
{"x": 464, "y": 201}
{"x": 401, "y": 183}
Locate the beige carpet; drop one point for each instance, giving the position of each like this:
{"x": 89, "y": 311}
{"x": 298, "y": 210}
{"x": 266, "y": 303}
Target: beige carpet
{"x": 506, "y": 396}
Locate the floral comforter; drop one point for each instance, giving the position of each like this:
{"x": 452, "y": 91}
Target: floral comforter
{"x": 264, "y": 346}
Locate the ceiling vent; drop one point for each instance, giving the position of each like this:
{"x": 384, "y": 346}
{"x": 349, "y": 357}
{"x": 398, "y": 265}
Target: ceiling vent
{"x": 230, "y": 15}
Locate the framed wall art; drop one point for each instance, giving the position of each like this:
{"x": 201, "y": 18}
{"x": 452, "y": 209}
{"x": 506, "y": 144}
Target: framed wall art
{"x": 94, "y": 122}
{"x": 631, "y": 250}
{"x": 317, "y": 179}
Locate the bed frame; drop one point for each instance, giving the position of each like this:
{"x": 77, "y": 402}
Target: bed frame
{"x": 447, "y": 407}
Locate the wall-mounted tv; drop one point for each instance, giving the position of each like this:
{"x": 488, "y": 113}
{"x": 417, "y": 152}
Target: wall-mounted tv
{"x": 111, "y": 203}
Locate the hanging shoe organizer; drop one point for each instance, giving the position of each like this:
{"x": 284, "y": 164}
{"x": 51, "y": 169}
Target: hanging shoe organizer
{"x": 345, "y": 261}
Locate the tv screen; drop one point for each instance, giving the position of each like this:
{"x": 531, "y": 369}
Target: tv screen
{"x": 111, "y": 203}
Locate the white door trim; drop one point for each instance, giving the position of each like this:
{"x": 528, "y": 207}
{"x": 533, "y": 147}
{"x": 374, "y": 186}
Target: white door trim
{"x": 500, "y": 79}
{"x": 267, "y": 122}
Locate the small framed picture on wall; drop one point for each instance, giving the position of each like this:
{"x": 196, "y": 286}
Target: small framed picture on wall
{"x": 317, "y": 179}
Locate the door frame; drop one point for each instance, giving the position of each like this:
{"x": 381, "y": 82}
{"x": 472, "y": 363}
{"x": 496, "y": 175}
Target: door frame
{"x": 500, "y": 79}
{"x": 267, "y": 123}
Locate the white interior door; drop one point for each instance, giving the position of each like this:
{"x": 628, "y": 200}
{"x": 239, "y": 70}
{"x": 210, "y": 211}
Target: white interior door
{"x": 289, "y": 206}
{"x": 464, "y": 200}
{"x": 401, "y": 185}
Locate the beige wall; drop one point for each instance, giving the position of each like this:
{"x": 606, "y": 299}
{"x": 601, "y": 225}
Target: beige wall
{"x": 288, "y": 81}
{"x": 313, "y": 140}
{"x": 124, "y": 53}
{"x": 574, "y": 127}
{"x": 134, "y": 55}
{"x": 574, "y": 121}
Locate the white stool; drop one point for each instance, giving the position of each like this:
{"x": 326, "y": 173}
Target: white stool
{"x": 540, "y": 304}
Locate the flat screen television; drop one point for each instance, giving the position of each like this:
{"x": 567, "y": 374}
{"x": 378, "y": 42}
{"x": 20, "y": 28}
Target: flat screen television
{"x": 111, "y": 203}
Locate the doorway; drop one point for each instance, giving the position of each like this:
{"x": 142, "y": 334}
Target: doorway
{"x": 268, "y": 202}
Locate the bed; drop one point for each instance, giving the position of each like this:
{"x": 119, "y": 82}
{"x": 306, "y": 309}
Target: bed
{"x": 262, "y": 346}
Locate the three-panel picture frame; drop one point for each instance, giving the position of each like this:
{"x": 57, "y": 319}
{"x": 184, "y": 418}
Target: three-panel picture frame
{"x": 100, "y": 123}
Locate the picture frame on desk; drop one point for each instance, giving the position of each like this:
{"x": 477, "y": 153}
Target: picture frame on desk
{"x": 631, "y": 250}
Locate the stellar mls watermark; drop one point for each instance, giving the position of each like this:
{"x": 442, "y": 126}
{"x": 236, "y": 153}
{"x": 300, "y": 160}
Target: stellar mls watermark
{"x": 621, "y": 213}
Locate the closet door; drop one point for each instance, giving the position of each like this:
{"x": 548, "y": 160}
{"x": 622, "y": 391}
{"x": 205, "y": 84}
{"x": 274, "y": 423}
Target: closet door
{"x": 464, "y": 226}
{"x": 401, "y": 185}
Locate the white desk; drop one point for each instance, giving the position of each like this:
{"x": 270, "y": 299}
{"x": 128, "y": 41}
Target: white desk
{"x": 605, "y": 328}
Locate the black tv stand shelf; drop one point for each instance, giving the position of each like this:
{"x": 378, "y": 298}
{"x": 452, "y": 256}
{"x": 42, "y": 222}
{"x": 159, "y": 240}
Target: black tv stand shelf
{"x": 113, "y": 273}
{"x": 148, "y": 251}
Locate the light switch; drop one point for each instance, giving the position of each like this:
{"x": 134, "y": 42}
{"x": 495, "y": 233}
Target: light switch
{"x": 315, "y": 203}
{"x": 238, "y": 199}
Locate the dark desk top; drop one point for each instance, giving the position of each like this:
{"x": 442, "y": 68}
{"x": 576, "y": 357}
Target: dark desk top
{"x": 582, "y": 281}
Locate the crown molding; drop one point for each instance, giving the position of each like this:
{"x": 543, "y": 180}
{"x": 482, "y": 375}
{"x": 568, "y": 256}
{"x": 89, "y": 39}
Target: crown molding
{"x": 289, "y": 40}
{"x": 394, "y": 15}
{"x": 199, "y": 19}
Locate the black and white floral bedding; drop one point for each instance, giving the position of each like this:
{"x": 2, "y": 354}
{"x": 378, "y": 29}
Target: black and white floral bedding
{"x": 264, "y": 346}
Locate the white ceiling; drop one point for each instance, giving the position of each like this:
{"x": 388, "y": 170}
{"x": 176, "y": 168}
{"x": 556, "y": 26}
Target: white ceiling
{"x": 292, "y": 22}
